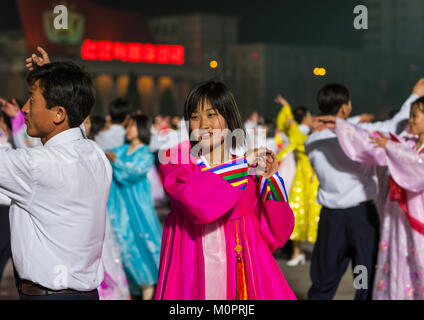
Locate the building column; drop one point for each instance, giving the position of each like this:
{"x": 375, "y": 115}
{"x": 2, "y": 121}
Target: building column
{"x": 155, "y": 96}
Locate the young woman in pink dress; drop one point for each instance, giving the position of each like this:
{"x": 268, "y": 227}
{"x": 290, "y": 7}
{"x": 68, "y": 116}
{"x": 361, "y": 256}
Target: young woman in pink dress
{"x": 225, "y": 221}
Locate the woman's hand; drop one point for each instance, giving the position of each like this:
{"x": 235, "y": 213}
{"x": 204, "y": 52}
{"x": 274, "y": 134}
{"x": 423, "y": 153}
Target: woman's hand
{"x": 10, "y": 109}
{"x": 252, "y": 156}
{"x": 111, "y": 156}
{"x": 280, "y": 100}
{"x": 44, "y": 59}
{"x": 366, "y": 117}
{"x": 263, "y": 160}
{"x": 271, "y": 164}
{"x": 379, "y": 142}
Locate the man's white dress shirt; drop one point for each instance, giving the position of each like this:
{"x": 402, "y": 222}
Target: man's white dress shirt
{"x": 4, "y": 201}
{"x": 344, "y": 183}
{"x": 22, "y": 140}
{"x": 111, "y": 138}
{"x": 59, "y": 193}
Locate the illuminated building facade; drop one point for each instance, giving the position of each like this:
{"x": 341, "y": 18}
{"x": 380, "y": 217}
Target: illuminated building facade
{"x": 152, "y": 62}
{"x": 155, "y": 62}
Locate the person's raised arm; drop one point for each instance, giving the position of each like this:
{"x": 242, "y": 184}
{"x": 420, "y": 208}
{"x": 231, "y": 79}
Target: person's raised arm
{"x": 356, "y": 144}
{"x": 16, "y": 175}
{"x": 202, "y": 196}
{"x": 12, "y": 110}
{"x": 35, "y": 59}
{"x": 403, "y": 114}
{"x": 362, "y": 118}
{"x": 285, "y": 114}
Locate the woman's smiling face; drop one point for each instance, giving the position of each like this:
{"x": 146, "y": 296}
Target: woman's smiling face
{"x": 207, "y": 125}
{"x": 416, "y": 119}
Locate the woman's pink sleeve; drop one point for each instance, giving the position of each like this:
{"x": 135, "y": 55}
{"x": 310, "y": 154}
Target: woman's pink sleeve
{"x": 406, "y": 166}
{"x": 355, "y": 143}
{"x": 202, "y": 196}
{"x": 17, "y": 122}
{"x": 276, "y": 222}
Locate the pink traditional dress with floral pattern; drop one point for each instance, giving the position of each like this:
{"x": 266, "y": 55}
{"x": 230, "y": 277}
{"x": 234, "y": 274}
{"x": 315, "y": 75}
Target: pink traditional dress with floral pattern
{"x": 222, "y": 229}
{"x": 400, "y": 266}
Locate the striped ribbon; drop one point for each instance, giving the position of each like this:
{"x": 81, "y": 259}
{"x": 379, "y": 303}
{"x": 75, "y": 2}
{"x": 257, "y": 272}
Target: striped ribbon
{"x": 272, "y": 188}
{"x": 234, "y": 171}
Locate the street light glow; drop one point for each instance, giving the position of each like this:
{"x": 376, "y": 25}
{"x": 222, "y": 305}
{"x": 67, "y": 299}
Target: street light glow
{"x": 213, "y": 64}
{"x": 320, "y": 71}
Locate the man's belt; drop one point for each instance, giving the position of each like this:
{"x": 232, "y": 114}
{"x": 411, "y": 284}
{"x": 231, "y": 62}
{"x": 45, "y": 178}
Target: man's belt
{"x": 366, "y": 203}
{"x": 32, "y": 289}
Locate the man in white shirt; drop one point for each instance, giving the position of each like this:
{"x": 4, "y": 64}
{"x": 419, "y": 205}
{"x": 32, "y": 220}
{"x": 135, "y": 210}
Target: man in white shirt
{"x": 114, "y": 136}
{"x": 59, "y": 191}
{"x": 5, "y": 249}
{"x": 349, "y": 224}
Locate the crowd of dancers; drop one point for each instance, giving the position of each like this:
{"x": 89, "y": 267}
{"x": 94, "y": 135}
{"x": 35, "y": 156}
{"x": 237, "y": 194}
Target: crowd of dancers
{"x": 350, "y": 186}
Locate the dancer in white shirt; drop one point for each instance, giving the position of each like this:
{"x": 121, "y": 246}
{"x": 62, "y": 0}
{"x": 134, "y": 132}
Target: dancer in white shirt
{"x": 114, "y": 135}
{"x": 59, "y": 191}
{"x": 349, "y": 223}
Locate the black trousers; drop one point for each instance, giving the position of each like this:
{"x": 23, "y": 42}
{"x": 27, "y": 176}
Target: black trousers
{"x": 90, "y": 295}
{"x": 344, "y": 234}
{"x": 5, "y": 250}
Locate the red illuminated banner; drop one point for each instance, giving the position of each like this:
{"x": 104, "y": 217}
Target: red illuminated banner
{"x": 132, "y": 52}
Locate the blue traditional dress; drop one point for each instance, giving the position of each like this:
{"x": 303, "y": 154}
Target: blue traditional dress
{"x": 133, "y": 217}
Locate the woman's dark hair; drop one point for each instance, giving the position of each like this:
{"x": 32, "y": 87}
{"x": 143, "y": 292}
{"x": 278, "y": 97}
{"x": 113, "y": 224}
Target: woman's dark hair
{"x": 6, "y": 119}
{"x": 420, "y": 103}
{"x": 97, "y": 124}
{"x": 331, "y": 97}
{"x": 270, "y": 128}
{"x": 143, "y": 127}
{"x": 222, "y": 100}
{"x": 300, "y": 113}
{"x": 118, "y": 110}
{"x": 67, "y": 85}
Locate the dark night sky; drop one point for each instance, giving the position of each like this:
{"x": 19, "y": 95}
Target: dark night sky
{"x": 303, "y": 22}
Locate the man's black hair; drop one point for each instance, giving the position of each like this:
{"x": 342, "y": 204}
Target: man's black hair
{"x": 299, "y": 113}
{"x": 67, "y": 85}
{"x": 331, "y": 97}
{"x": 119, "y": 109}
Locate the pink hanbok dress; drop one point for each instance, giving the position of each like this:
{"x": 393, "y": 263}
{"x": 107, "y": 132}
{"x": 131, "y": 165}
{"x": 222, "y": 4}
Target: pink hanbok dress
{"x": 209, "y": 216}
{"x": 400, "y": 266}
